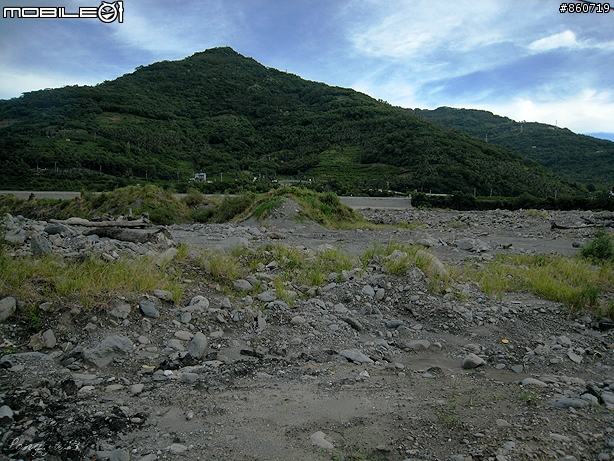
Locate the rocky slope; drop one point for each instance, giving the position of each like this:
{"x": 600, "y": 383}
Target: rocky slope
{"x": 367, "y": 366}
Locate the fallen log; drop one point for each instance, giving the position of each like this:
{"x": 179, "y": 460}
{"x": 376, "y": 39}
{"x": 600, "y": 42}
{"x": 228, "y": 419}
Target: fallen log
{"x": 139, "y": 223}
{"x": 554, "y": 225}
{"x": 130, "y": 235}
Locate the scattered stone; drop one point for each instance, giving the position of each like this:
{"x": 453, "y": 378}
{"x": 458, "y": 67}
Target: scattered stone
{"x": 298, "y": 320}
{"x": 242, "y": 285}
{"x": 121, "y": 311}
{"x": 149, "y": 309}
{"x": 318, "y": 439}
{"x": 355, "y": 356}
{"x": 39, "y": 245}
{"x": 517, "y": 368}
{"x": 16, "y": 236}
{"x": 8, "y": 306}
{"x": 574, "y": 357}
{"x": 199, "y": 302}
{"x": 472, "y": 361}
{"x": 108, "y": 349}
{"x": 166, "y": 256}
{"x": 177, "y": 449}
{"x": 198, "y": 346}
{"x": 49, "y": 340}
{"x": 164, "y": 295}
{"x": 6, "y": 414}
{"x": 267, "y": 296}
{"x": 533, "y": 382}
{"x": 368, "y": 291}
{"x": 418, "y": 345}
{"x": 355, "y": 324}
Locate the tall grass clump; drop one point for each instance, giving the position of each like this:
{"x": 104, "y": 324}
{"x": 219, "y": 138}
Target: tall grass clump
{"x": 91, "y": 281}
{"x": 571, "y": 281}
{"x": 264, "y": 209}
{"x": 600, "y": 249}
{"x": 231, "y": 207}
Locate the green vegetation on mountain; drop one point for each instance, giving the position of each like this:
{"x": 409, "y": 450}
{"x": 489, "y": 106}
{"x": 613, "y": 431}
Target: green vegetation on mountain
{"x": 573, "y": 156}
{"x": 244, "y": 125}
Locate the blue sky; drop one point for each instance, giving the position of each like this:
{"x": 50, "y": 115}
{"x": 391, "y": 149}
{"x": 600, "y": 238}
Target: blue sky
{"x": 518, "y": 58}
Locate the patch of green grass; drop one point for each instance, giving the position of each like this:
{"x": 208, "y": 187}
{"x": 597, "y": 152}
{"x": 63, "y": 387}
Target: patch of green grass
{"x": 221, "y": 267}
{"x": 600, "y": 249}
{"x": 571, "y": 281}
{"x": 92, "y": 281}
{"x": 265, "y": 208}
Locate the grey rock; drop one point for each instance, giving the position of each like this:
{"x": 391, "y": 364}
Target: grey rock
{"x": 569, "y": 402}
{"x": 136, "y": 389}
{"x": 177, "y": 448}
{"x": 49, "y": 340}
{"x": 36, "y": 342}
{"x": 242, "y": 285}
{"x": 533, "y": 382}
{"x": 298, "y": 320}
{"x": 183, "y": 335}
{"x": 355, "y": 356}
{"x": 149, "y": 309}
{"x": 198, "y": 346}
{"x": 226, "y": 304}
{"x": 267, "y": 296}
{"x": 150, "y": 457}
{"x": 164, "y": 295}
{"x": 108, "y": 349}
{"x": 379, "y": 295}
{"x": 121, "y": 311}
{"x": 16, "y": 236}
{"x": 175, "y": 344}
{"x": 166, "y": 256}
{"x": 368, "y": 291}
{"x": 186, "y": 318}
{"x": 355, "y": 324}
{"x": 6, "y": 413}
{"x": 472, "y": 361}
{"x": 392, "y": 324}
{"x": 262, "y": 325}
{"x": 8, "y": 306}
{"x": 189, "y": 378}
{"x": 113, "y": 455}
{"x": 53, "y": 229}
{"x": 517, "y": 368}
{"x": 318, "y": 439}
{"x": 418, "y": 345}
{"x": 199, "y": 302}
{"x": 39, "y": 245}
{"x": 574, "y": 357}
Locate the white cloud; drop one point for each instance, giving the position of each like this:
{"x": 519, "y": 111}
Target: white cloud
{"x": 565, "y": 39}
{"x": 170, "y": 32}
{"x": 583, "y": 112}
{"x": 14, "y": 82}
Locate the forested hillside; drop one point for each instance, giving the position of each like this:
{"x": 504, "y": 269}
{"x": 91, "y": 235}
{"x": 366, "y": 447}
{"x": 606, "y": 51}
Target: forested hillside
{"x": 573, "y": 156}
{"x": 244, "y": 125}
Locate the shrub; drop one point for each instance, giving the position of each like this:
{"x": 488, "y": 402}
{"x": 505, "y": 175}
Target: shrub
{"x": 599, "y": 250}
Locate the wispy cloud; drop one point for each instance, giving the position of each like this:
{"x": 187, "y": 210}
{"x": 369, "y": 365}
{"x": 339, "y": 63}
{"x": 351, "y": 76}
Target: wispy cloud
{"x": 565, "y": 39}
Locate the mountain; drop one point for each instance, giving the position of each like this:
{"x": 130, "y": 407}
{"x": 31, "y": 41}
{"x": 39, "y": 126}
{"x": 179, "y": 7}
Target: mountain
{"x": 244, "y": 125}
{"x": 573, "y": 156}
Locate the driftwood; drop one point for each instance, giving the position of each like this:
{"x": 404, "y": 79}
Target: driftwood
{"x": 84, "y": 222}
{"x": 130, "y": 235}
{"x": 554, "y": 225}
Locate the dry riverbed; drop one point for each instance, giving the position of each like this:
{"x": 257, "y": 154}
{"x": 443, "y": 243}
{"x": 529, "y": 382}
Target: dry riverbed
{"x": 366, "y": 366}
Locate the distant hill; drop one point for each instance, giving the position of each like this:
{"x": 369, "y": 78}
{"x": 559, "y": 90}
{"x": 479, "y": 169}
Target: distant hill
{"x": 244, "y": 125}
{"x": 575, "y": 157}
